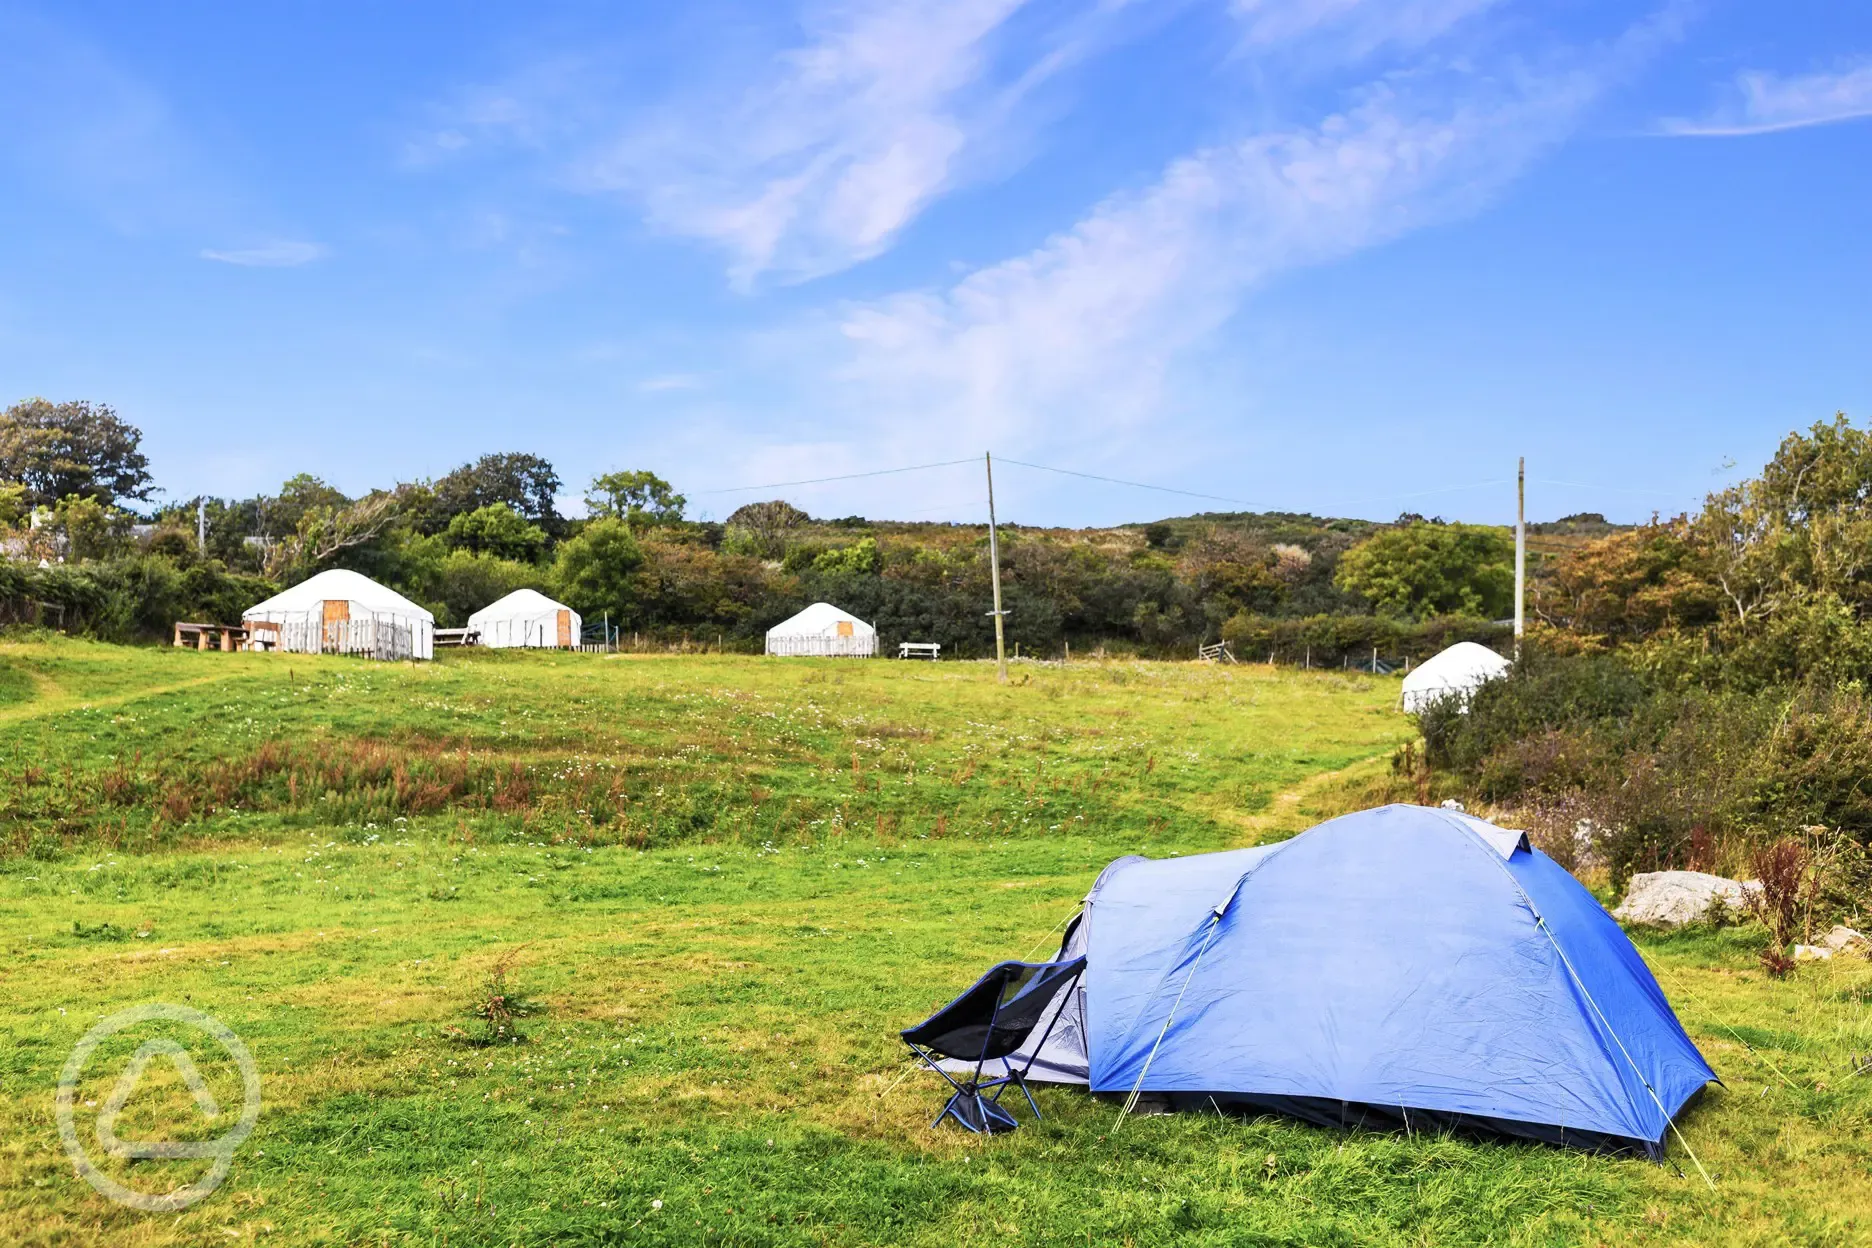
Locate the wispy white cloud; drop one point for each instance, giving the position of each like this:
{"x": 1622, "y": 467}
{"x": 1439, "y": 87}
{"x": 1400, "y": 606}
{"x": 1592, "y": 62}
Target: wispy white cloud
{"x": 277, "y": 255}
{"x": 666, "y": 382}
{"x": 1764, "y": 103}
{"x": 1360, "y": 26}
{"x": 543, "y": 103}
{"x": 1080, "y": 335}
{"x": 849, "y": 137}
{"x": 815, "y": 159}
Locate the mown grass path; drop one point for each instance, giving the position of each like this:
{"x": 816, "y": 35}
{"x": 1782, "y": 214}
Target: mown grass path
{"x": 714, "y": 1060}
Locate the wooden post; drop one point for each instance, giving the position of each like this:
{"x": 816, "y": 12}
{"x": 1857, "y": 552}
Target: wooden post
{"x": 994, "y": 574}
{"x": 1520, "y": 551}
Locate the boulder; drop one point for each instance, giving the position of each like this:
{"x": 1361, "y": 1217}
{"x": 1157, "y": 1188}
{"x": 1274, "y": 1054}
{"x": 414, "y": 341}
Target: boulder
{"x": 1843, "y": 939}
{"x": 1673, "y": 898}
{"x": 1812, "y": 953}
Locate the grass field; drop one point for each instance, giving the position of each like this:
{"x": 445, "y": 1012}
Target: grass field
{"x": 725, "y": 883}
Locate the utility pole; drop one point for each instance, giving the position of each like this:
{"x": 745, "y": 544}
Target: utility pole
{"x": 994, "y": 574}
{"x": 1520, "y": 553}
{"x": 201, "y": 527}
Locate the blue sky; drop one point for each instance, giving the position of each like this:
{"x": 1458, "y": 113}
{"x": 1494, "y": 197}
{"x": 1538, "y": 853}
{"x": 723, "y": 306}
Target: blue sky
{"x": 1347, "y": 256}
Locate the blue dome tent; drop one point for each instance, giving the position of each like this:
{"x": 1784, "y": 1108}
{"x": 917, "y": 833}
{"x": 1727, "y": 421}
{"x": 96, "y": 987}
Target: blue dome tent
{"x": 1400, "y": 967}
{"x": 1404, "y": 965}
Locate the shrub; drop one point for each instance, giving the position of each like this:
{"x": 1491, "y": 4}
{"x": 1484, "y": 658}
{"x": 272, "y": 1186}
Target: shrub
{"x": 1330, "y": 640}
{"x": 497, "y": 1010}
{"x": 1785, "y": 894}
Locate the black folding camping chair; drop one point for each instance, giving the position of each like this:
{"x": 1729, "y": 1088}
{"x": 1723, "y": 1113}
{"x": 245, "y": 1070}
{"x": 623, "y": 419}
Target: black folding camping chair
{"x": 988, "y": 1022}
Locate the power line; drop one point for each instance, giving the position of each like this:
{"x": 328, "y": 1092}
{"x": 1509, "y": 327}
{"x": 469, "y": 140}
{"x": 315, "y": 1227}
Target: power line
{"x": 1223, "y": 498}
{"x": 850, "y": 476}
{"x": 1386, "y": 498}
{"x": 1136, "y": 485}
{"x": 1165, "y": 489}
{"x": 1610, "y": 489}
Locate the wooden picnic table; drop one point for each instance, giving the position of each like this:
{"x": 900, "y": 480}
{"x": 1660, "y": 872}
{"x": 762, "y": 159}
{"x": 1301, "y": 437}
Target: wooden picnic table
{"x": 227, "y": 638}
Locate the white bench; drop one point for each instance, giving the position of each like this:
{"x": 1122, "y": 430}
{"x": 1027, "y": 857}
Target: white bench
{"x": 919, "y": 650}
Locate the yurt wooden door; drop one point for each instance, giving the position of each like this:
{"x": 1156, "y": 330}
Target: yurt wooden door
{"x": 337, "y": 619}
{"x": 565, "y": 630}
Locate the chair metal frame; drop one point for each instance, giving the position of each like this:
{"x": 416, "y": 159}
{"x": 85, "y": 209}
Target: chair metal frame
{"x": 994, "y": 1119}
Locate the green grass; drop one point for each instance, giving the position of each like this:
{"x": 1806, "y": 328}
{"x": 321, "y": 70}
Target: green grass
{"x": 721, "y": 976}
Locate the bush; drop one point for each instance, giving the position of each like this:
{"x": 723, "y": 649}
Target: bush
{"x": 1543, "y": 695}
{"x": 1785, "y": 894}
{"x": 1329, "y": 640}
{"x": 1668, "y": 777}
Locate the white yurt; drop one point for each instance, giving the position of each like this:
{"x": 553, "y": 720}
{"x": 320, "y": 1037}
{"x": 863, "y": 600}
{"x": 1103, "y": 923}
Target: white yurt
{"x": 342, "y": 612}
{"x": 529, "y": 618}
{"x": 823, "y": 629}
{"x": 1456, "y": 672}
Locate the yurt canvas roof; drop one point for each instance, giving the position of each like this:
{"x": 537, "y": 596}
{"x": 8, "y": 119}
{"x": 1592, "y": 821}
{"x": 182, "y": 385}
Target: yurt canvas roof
{"x": 1461, "y": 668}
{"x": 521, "y": 603}
{"x": 821, "y": 617}
{"x": 339, "y": 585}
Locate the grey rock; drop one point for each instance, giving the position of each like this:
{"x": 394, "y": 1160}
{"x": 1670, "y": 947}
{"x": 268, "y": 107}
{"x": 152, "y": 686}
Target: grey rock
{"x": 1673, "y": 898}
{"x": 1842, "y": 938}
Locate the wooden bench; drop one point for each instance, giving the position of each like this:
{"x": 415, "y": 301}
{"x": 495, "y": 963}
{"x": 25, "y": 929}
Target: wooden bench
{"x": 457, "y": 636}
{"x": 931, "y": 650}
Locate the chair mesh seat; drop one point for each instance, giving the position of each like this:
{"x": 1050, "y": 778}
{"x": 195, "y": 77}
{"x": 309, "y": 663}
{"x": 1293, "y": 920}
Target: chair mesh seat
{"x": 991, "y": 1020}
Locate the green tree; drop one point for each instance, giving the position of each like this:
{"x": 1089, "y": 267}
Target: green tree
{"x": 497, "y": 530}
{"x": 596, "y": 569}
{"x": 1424, "y": 568}
{"x": 58, "y": 450}
{"x": 280, "y": 515}
{"x": 93, "y": 530}
{"x": 638, "y": 498}
{"x": 763, "y": 528}
{"x": 463, "y": 583}
{"x": 327, "y": 533}
{"x": 861, "y": 558}
{"x": 15, "y": 509}
{"x": 526, "y": 483}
